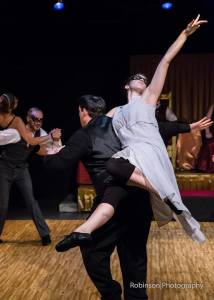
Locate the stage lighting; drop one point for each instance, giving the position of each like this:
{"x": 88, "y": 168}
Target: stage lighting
{"x": 59, "y": 5}
{"x": 166, "y": 5}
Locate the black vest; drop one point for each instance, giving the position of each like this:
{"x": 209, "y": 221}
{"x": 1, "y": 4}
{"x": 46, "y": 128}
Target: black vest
{"x": 160, "y": 112}
{"x": 16, "y": 154}
{"x": 104, "y": 144}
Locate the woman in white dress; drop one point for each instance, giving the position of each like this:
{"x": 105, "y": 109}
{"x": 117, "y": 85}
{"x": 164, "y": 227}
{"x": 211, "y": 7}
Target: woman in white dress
{"x": 136, "y": 126}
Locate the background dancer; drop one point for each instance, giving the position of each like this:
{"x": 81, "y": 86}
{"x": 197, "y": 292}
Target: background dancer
{"x": 14, "y": 169}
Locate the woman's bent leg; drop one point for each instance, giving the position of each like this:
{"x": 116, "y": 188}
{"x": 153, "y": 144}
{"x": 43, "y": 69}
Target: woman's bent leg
{"x": 123, "y": 170}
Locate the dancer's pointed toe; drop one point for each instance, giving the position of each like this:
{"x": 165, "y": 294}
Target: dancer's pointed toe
{"x": 73, "y": 240}
{"x": 191, "y": 227}
{"x": 198, "y": 236}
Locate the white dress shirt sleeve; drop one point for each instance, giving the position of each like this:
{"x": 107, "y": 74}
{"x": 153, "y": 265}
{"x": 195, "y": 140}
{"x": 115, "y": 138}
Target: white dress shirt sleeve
{"x": 52, "y": 147}
{"x": 9, "y": 136}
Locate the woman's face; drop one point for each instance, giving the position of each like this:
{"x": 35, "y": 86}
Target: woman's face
{"x": 137, "y": 85}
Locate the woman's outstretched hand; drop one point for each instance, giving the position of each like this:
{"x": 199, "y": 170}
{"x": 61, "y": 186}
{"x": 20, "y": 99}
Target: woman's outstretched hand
{"x": 194, "y": 25}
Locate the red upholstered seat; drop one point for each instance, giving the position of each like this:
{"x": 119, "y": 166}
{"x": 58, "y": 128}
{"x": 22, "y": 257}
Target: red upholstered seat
{"x": 82, "y": 175}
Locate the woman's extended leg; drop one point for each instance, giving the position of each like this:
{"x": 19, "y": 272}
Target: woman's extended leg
{"x": 127, "y": 174}
{"x": 105, "y": 210}
{"x": 100, "y": 216}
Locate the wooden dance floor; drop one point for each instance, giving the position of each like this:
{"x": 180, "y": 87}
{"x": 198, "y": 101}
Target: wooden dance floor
{"x": 29, "y": 271}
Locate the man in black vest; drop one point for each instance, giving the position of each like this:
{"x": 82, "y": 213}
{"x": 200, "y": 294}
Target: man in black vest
{"x": 128, "y": 230}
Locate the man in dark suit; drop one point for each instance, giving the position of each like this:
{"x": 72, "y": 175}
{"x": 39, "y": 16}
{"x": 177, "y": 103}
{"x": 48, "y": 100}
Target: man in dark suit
{"x": 128, "y": 230}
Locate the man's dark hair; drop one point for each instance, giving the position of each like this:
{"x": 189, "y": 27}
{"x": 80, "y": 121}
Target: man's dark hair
{"x": 8, "y": 102}
{"x": 94, "y": 105}
{"x": 138, "y": 76}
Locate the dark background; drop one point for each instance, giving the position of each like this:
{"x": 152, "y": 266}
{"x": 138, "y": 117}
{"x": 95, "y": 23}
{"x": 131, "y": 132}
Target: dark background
{"x": 49, "y": 59}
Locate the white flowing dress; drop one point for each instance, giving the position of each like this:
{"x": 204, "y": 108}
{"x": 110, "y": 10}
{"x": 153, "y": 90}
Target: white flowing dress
{"x": 136, "y": 126}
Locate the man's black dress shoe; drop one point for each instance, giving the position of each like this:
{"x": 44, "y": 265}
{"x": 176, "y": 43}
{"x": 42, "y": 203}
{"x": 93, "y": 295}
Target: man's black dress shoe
{"x": 72, "y": 240}
{"x": 46, "y": 240}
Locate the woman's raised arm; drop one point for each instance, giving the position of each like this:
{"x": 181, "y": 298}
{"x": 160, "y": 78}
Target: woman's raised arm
{"x": 154, "y": 89}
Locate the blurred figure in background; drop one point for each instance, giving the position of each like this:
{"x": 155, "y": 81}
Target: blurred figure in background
{"x": 188, "y": 148}
{"x": 206, "y": 155}
{"x": 42, "y": 186}
{"x": 35, "y": 119}
{"x": 163, "y": 113}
